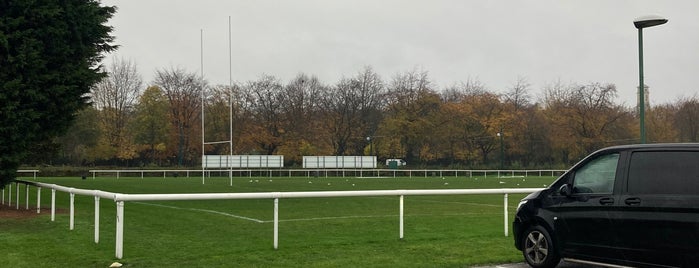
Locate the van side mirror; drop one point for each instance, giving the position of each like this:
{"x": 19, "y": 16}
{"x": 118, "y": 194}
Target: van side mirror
{"x": 565, "y": 190}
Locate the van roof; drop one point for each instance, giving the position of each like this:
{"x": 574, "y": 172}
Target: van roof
{"x": 654, "y": 146}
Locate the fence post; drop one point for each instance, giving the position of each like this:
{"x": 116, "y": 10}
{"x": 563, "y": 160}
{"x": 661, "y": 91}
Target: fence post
{"x": 400, "y": 215}
{"x": 276, "y": 223}
{"x": 120, "y": 230}
{"x": 38, "y": 200}
{"x": 506, "y": 217}
{"x": 53, "y": 204}
{"x": 72, "y": 210}
{"x": 17, "y": 195}
{"x": 97, "y": 219}
{"x": 26, "y": 190}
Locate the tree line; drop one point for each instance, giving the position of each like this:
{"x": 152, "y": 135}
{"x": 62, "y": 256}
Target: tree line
{"x": 465, "y": 125}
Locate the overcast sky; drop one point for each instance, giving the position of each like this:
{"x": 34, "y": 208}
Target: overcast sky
{"x": 494, "y": 42}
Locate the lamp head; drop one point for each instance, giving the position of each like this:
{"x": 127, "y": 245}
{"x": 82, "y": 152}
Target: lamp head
{"x": 648, "y": 21}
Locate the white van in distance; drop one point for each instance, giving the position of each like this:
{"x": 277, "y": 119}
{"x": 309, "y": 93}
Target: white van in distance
{"x": 399, "y": 162}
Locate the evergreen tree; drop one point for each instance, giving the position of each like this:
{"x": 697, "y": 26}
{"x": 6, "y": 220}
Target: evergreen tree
{"x": 50, "y": 52}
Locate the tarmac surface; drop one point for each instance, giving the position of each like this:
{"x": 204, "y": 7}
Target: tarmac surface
{"x": 562, "y": 264}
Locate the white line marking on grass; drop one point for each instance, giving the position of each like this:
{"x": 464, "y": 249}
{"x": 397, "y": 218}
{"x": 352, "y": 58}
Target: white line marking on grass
{"x": 305, "y": 219}
{"x": 337, "y": 218}
{"x": 204, "y": 210}
{"x": 460, "y": 203}
{"x": 385, "y": 216}
{"x": 379, "y": 216}
{"x": 446, "y": 202}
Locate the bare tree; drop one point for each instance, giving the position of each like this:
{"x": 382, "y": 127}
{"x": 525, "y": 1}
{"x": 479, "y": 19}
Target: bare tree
{"x": 115, "y": 98}
{"x": 183, "y": 90}
{"x": 371, "y": 92}
{"x": 342, "y": 119}
{"x": 407, "y": 88}
{"x": 411, "y": 104}
{"x": 354, "y": 109}
{"x": 518, "y": 95}
{"x": 300, "y": 104}
{"x": 263, "y": 99}
{"x": 525, "y": 133}
{"x": 457, "y": 92}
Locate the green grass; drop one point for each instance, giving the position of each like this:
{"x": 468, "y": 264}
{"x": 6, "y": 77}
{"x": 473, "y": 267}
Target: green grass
{"x": 440, "y": 231}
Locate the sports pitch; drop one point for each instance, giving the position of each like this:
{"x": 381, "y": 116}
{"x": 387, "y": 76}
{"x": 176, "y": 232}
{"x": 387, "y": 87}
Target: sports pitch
{"x": 440, "y": 231}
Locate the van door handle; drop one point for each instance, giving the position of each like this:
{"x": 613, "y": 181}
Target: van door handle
{"x": 633, "y": 201}
{"x": 606, "y": 201}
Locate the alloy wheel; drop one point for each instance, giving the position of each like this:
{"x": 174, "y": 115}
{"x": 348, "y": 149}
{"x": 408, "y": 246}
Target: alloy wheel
{"x": 536, "y": 247}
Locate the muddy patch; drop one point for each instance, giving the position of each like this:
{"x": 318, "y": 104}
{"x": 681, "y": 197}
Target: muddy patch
{"x": 11, "y": 212}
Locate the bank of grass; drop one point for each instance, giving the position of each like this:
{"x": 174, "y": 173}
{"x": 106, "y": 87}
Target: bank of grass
{"x": 440, "y": 231}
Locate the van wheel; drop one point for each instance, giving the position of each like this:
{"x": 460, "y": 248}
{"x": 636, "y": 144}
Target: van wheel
{"x": 538, "y": 248}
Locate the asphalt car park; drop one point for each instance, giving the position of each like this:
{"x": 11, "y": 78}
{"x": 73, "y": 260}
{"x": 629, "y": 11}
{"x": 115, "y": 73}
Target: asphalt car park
{"x": 562, "y": 264}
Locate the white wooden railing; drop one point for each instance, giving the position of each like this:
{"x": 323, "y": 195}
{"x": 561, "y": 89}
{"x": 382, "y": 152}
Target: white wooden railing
{"x": 9, "y": 198}
{"x": 32, "y": 171}
{"x": 332, "y": 172}
{"x": 120, "y": 200}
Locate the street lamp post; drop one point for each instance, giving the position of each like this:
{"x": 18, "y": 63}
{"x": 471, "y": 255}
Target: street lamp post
{"x": 371, "y": 145}
{"x": 640, "y": 23}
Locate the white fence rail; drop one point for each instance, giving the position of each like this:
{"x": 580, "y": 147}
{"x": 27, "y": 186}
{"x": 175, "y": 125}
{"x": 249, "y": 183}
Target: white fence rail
{"x": 32, "y": 171}
{"x": 330, "y": 172}
{"x": 9, "y": 197}
{"x": 120, "y": 200}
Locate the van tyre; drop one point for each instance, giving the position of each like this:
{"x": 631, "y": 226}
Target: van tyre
{"x": 538, "y": 248}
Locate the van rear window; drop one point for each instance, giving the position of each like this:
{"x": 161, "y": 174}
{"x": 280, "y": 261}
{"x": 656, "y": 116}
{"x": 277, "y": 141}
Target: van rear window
{"x": 664, "y": 173}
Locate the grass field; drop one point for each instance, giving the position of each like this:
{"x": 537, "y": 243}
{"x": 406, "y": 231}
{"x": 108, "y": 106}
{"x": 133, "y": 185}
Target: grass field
{"x": 440, "y": 231}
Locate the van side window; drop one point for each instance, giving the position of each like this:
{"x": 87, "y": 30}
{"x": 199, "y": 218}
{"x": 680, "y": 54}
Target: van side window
{"x": 664, "y": 173}
{"x": 597, "y": 176}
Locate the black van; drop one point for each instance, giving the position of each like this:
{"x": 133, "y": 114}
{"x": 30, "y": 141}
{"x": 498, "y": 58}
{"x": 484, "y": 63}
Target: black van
{"x": 633, "y": 205}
